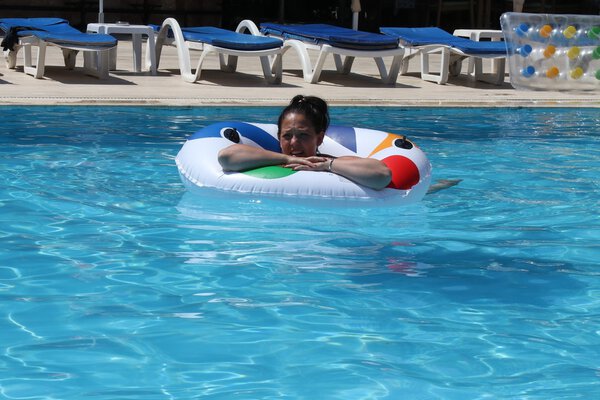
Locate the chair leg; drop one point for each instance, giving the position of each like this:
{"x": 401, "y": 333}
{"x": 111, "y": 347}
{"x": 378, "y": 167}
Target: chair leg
{"x": 227, "y": 63}
{"x": 345, "y": 66}
{"x": 204, "y": 54}
{"x": 104, "y": 63}
{"x": 496, "y": 77}
{"x": 70, "y": 57}
{"x": 392, "y": 75}
{"x": 37, "y": 70}
{"x": 183, "y": 52}
{"x": 455, "y": 66}
{"x": 307, "y": 70}
{"x": 159, "y": 41}
{"x": 150, "y": 55}
{"x": 96, "y": 63}
{"x": 405, "y": 62}
{"x": 273, "y": 70}
{"x": 10, "y": 56}
{"x": 404, "y": 66}
{"x": 426, "y": 74}
{"x": 276, "y": 62}
{"x": 316, "y": 73}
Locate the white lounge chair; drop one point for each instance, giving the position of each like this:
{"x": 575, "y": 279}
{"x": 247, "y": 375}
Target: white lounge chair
{"x": 27, "y": 33}
{"x": 228, "y": 45}
{"x": 453, "y": 49}
{"x": 338, "y": 41}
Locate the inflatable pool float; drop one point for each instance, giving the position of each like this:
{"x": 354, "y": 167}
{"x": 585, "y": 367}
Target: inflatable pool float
{"x": 411, "y": 171}
{"x": 553, "y": 51}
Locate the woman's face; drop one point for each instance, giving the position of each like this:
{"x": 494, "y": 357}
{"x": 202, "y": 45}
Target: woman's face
{"x": 298, "y": 137}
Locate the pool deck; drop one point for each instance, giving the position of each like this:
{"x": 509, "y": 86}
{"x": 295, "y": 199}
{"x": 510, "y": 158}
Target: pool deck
{"x": 247, "y": 86}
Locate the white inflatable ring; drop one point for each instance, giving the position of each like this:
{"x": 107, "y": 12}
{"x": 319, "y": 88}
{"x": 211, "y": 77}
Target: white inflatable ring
{"x": 411, "y": 171}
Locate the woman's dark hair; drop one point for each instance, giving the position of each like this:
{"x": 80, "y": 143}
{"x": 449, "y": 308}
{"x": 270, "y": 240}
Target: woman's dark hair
{"x": 312, "y": 107}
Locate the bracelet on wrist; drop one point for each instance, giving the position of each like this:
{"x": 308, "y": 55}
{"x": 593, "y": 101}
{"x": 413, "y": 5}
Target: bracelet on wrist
{"x": 330, "y": 165}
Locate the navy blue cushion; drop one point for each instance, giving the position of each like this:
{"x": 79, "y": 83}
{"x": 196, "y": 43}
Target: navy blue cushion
{"x": 225, "y": 38}
{"x": 39, "y": 23}
{"x": 433, "y": 36}
{"x": 332, "y": 35}
{"x": 229, "y": 39}
{"x": 57, "y": 31}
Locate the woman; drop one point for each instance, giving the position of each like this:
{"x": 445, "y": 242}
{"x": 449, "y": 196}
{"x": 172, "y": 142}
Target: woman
{"x": 301, "y": 129}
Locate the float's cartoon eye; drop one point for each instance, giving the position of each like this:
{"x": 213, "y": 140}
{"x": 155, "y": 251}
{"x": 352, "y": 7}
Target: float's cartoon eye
{"x": 403, "y": 143}
{"x": 231, "y": 134}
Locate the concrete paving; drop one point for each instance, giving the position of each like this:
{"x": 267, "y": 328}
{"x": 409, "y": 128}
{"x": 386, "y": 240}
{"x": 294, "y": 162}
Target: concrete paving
{"x": 248, "y": 87}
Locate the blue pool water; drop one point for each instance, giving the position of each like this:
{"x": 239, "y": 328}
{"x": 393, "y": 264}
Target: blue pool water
{"x": 116, "y": 284}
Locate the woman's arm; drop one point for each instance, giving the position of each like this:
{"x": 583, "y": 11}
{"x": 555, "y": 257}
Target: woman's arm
{"x": 240, "y": 157}
{"x": 364, "y": 171}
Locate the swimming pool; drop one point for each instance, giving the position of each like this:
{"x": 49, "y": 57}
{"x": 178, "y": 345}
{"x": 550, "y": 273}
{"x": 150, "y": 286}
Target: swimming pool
{"x": 116, "y": 283}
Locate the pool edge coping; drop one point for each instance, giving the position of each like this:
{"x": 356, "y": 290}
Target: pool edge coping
{"x": 362, "y": 102}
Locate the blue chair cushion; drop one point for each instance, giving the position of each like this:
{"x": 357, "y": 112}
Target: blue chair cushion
{"x": 225, "y": 38}
{"x": 230, "y": 39}
{"x": 433, "y": 36}
{"x": 333, "y": 35}
{"x": 56, "y": 31}
{"x": 34, "y": 23}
